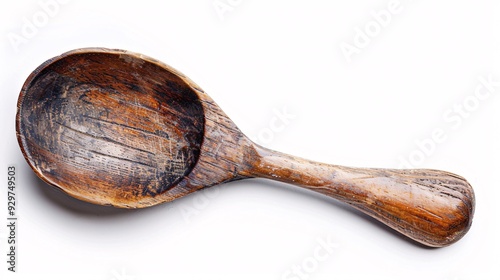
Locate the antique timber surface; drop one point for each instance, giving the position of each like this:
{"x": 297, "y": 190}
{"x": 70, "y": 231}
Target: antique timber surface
{"x": 119, "y": 128}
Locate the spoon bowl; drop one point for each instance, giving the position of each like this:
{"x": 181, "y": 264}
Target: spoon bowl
{"x": 118, "y": 128}
{"x": 110, "y": 127}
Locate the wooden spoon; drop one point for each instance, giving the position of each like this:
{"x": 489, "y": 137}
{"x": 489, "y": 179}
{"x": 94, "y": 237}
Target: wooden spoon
{"x": 118, "y": 128}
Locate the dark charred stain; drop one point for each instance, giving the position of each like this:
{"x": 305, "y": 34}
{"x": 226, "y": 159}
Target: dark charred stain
{"x": 85, "y": 121}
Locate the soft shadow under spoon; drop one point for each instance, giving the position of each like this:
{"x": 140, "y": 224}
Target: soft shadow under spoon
{"x": 118, "y": 128}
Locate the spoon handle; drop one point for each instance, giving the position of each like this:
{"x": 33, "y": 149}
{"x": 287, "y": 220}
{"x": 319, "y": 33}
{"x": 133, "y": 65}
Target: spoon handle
{"x": 432, "y": 207}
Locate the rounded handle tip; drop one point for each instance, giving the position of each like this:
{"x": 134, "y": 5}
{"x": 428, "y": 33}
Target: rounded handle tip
{"x": 457, "y": 216}
{"x": 432, "y": 207}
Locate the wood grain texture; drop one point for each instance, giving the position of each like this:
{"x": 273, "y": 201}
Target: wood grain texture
{"x": 118, "y": 128}
{"x": 111, "y": 125}
{"x": 114, "y": 127}
{"x": 432, "y": 207}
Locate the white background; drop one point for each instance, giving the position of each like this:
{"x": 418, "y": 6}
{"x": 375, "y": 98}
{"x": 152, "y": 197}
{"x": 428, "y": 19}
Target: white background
{"x": 253, "y": 59}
